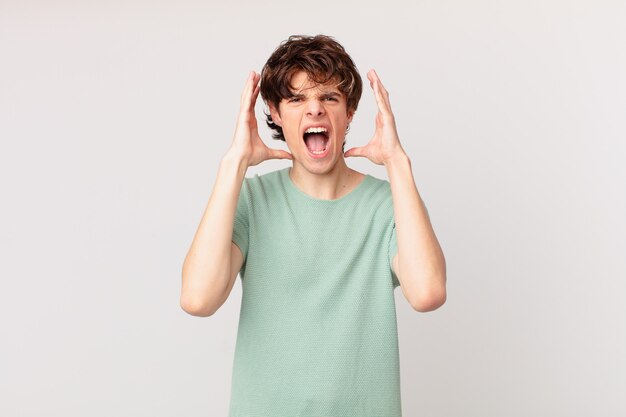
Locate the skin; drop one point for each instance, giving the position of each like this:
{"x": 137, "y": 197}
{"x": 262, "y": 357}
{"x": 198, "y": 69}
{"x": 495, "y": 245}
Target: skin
{"x": 314, "y": 104}
{"x": 247, "y": 144}
{"x": 419, "y": 264}
{"x": 213, "y": 261}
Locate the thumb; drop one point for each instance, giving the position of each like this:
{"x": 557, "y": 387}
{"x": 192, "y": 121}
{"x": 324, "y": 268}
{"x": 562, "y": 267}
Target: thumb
{"x": 356, "y": 151}
{"x": 278, "y": 154}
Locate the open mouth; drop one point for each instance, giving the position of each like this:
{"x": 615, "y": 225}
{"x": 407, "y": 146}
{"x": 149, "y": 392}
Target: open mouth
{"x": 316, "y": 140}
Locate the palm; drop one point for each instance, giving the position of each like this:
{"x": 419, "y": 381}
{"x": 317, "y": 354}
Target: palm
{"x": 247, "y": 142}
{"x": 385, "y": 144}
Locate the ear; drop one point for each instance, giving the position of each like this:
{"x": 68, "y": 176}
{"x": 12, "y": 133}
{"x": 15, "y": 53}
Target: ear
{"x": 350, "y": 116}
{"x": 275, "y": 115}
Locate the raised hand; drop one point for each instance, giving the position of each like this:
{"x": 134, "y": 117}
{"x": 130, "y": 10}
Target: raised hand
{"x": 385, "y": 144}
{"x": 247, "y": 143}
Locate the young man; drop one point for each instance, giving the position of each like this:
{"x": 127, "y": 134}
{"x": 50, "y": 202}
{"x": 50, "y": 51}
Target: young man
{"x": 319, "y": 247}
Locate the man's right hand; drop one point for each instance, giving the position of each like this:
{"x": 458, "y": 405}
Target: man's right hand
{"x": 247, "y": 143}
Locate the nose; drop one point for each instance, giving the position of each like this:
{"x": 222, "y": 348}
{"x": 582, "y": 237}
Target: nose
{"x": 315, "y": 108}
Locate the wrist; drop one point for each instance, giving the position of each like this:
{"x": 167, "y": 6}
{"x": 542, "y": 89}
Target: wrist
{"x": 235, "y": 159}
{"x": 233, "y": 155}
{"x": 398, "y": 158}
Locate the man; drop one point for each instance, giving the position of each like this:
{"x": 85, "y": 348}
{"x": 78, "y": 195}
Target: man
{"x": 319, "y": 247}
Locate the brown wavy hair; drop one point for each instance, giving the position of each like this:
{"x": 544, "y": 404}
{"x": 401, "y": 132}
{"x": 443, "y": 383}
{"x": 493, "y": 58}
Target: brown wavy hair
{"x": 322, "y": 58}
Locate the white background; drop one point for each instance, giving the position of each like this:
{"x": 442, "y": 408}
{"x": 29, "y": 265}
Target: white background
{"x": 114, "y": 116}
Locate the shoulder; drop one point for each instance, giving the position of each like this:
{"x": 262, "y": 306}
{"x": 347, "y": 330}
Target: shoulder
{"x": 257, "y": 180}
{"x": 380, "y": 183}
{"x": 379, "y": 196}
{"x": 378, "y": 188}
{"x": 264, "y": 185}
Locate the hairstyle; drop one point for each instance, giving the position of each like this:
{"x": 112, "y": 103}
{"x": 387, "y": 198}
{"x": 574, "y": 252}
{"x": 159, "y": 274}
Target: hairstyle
{"x": 322, "y": 58}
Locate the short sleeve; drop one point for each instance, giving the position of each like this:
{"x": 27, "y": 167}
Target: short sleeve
{"x": 393, "y": 248}
{"x": 392, "y": 251}
{"x": 240, "y": 226}
{"x": 392, "y": 244}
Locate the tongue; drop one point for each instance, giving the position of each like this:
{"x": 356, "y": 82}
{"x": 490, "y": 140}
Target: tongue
{"x": 315, "y": 141}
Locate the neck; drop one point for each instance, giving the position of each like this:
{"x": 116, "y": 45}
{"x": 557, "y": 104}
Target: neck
{"x": 329, "y": 185}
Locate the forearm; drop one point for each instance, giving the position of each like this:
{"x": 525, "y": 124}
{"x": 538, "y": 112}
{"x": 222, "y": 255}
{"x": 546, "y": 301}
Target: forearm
{"x": 421, "y": 263}
{"x": 206, "y": 268}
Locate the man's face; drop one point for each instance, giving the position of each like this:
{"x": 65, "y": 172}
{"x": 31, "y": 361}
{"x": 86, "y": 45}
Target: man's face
{"x": 314, "y": 123}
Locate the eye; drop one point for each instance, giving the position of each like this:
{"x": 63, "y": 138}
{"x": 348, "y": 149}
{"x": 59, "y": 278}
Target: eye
{"x": 294, "y": 100}
{"x": 329, "y": 99}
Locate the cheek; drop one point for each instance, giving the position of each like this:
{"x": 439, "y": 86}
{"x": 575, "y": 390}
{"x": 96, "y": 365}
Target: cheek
{"x": 291, "y": 133}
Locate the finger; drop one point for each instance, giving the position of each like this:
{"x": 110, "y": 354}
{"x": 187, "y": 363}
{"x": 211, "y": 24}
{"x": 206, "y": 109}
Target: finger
{"x": 382, "y": 90}
{"x": 356, "y": 151}
{"x": 371, "y": 75}
{"x": 375, "y": 83}
{"x": 253, "y": 98}
{"x": 383, "y": 105}
{"x": 385, "y": 96}
{"x": 378, "y": 86}
{"x": 278, "y": 154}
{"x": 247, "y": 86}
{"x": 247, "y": 91}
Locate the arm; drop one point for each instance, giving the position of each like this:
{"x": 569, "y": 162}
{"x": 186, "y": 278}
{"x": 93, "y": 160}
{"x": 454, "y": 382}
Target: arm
{"x": 419, "y": 264}
{"x": 213, "y": 261}
{"x": 207, "y": 267}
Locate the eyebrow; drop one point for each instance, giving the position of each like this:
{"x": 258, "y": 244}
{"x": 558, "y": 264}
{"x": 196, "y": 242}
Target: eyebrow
{"x": 322, "y": 94}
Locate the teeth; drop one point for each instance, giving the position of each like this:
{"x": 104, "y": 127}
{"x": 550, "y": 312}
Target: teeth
{"x": 319, "y": 152}
{"x": 315, "y": 130}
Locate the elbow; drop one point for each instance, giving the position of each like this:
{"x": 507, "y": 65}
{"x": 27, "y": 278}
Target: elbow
{"x": 196, "y": 307}
{"x": 430, "y": 299}
{"x": 198, "y": 298}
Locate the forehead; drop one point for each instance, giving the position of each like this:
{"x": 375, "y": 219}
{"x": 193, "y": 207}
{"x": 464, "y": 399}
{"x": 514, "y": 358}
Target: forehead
{"x": 301, "y": 83}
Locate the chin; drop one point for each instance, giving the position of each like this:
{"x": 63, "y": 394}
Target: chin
{"x": 320, "y": 167}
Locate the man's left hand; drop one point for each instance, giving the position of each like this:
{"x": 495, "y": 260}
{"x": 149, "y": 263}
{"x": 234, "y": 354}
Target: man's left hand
{"x": 385, "y": 144}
